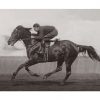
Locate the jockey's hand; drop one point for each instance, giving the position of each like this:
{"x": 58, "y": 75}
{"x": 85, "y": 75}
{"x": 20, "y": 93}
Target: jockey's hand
{"x": 38, "y": 38}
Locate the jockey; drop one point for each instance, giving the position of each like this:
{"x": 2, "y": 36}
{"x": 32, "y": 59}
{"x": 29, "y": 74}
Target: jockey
{"x": 44, "y": 33}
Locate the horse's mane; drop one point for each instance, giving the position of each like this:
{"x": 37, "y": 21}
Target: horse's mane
{"x": 22, "y": 27}
{"x": 26, "y": 31}
{"x": 19, "y": 27}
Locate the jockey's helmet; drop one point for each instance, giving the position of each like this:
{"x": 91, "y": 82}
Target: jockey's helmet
{"x": 36, "y": 25}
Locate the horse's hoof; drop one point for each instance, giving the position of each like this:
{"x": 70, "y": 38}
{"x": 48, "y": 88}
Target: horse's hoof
{"x": 46, "y": 76}
{"x": 13, "y": 76}
{"x": 36, "y": 75}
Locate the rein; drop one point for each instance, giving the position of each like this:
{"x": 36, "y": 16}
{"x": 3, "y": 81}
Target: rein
{"x": 37, "y": 39}
{"x": 27, "y": 38}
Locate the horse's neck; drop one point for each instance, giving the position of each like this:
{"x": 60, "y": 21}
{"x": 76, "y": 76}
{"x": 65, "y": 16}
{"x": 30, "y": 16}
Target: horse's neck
{"x": 27, "y": 43}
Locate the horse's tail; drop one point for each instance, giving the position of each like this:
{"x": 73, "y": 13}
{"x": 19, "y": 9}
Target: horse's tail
{"x": 90, "y": 51}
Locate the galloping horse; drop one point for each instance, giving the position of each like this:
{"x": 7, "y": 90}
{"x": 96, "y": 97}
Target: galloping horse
{"x": 61, "y": 51}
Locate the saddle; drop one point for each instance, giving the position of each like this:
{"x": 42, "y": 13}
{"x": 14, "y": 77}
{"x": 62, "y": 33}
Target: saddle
{"x": 42, "y": 48}
{"x": 45, "y": 48}
{"x": 43, "y": 51}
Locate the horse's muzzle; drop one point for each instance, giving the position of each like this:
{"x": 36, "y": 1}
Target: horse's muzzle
{"x": 11, "y": 42}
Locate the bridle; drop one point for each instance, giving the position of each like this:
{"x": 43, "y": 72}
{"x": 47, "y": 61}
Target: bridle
{"x": 26, "y": 39}
{"x": 31, "y": 38}
{"x": 22, "y": 38}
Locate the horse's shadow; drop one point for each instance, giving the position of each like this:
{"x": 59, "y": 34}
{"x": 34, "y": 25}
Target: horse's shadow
{"x": 41, "y": 83}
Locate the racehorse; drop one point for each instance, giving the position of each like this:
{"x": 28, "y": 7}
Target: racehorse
{"x": 61, "y": 51}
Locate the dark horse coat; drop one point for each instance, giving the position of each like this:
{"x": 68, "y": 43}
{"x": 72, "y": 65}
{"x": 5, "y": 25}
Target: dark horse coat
{"x": 61, "y": 51}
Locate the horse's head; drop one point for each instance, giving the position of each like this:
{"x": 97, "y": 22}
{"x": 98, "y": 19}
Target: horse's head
{"x": 19, "y": 33}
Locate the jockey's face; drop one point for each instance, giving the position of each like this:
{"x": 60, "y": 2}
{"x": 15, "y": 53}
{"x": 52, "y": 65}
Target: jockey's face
{"x": 36, "y": 29}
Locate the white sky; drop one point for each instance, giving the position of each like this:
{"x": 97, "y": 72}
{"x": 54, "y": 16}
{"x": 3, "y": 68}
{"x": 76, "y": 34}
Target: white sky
{"x": 79, "y": 26}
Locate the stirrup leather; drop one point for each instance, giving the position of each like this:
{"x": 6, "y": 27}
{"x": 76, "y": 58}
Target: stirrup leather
{"x": 46, "y": 54}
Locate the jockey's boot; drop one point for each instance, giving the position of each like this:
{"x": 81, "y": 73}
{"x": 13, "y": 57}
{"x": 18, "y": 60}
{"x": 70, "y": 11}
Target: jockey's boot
{"x": 46, "y": 51}
{"x": 41, "y": 50}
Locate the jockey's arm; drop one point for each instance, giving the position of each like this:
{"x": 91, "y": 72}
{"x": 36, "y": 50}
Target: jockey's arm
{"x": 40, "y": 35}
{"x": 50, "y": 35}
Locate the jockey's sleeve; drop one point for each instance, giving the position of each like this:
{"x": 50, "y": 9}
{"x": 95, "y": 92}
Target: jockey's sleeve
{"x": 48, "y": 35}
{"x": 51, "y": 34}
{"x": 39, "y": 37}
{"x": 40, "y": 34}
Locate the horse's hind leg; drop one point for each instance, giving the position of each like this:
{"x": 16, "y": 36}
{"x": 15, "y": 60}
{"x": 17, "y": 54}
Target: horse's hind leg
{"x": 59, "y": 68}
{"x": 68, "y": 63}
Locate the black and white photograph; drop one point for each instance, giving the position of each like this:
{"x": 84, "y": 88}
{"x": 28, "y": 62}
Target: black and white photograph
{"x": 49, "y": 49}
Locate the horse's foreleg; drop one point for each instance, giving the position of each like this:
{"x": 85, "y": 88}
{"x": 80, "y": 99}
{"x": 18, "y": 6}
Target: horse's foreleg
{"x": 25, "y": 65}
{"x": 59, "y": 68}
{"x": 16, "y": 72}
{"x": 28, "y": 64}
